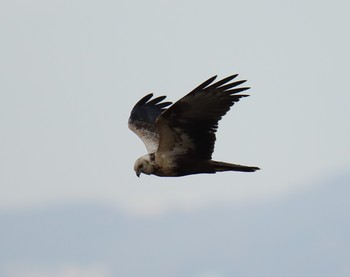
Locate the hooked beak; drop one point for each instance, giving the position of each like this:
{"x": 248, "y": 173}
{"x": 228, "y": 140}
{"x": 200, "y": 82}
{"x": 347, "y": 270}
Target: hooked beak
{"x": 138, "y": 173}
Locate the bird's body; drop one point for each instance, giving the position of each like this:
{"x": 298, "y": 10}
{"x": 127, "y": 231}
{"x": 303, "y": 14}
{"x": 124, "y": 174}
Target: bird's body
{"x": 180, "y": 139}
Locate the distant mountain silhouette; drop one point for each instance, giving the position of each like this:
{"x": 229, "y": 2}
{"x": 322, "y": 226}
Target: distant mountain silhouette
{"x": 306, "y": 234}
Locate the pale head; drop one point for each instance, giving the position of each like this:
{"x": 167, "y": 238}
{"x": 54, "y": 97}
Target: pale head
{"x": 144, "y": 165}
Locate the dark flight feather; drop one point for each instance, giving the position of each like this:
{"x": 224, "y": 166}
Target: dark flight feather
{"x": 148, "y": 111}
{"x": 142, "y": 120}
{"x": 180, "y": 139}
{"x": 197, "y": 115}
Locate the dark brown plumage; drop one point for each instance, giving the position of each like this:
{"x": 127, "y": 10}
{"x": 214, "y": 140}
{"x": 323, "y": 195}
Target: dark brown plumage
{"x": 180, "y": 139}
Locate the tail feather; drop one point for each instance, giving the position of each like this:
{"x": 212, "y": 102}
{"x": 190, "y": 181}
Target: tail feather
{"x": 221, "y": 166}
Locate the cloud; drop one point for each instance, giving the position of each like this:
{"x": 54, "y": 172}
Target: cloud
{"x": 308, "y": 229}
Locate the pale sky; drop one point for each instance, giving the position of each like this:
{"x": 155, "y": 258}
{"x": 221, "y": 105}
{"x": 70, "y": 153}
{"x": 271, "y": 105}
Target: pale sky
{"x": 72, "y": 70}
{"x": 70, "y": 202}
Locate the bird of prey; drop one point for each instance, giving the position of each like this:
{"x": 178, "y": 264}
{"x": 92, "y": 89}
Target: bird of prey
{"x": 180, "y": 139}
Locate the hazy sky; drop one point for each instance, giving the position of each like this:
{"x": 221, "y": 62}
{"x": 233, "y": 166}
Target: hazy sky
{"x": 70, "y": 202}
{"x": 72, "y": 70}
{"x": 305, "y": 235}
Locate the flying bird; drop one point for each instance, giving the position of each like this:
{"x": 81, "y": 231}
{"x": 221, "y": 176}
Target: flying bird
{"x": 180, "y": 137}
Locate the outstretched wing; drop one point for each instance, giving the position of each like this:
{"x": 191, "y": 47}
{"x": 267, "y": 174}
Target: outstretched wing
{"x": 142, "y": 120}
{"x": 188, "y": 127}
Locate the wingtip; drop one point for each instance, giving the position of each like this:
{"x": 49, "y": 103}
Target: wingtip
{"x": 233, "y": 76}
{"x": 229, "y": 78}
{"x": 144, "y": 99}
{"x": 149, "y": 95}
{"x": 157, "y": 100}
{"x": 211, "y": 79}
{"x": 252, "y": 168}
{"x": 237, "y": 90}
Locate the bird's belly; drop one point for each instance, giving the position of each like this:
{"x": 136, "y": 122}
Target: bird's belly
{"x": 166, "y": 165}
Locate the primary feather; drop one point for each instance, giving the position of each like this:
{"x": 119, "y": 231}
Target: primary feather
{"x": 196, "y": 116}
{"x": 142, "y": 120}
{"x": 180, "y": 139}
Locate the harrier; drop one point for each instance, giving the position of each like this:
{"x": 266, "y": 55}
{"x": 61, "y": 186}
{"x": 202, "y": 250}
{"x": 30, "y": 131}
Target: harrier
{"x": 180, "y": 137}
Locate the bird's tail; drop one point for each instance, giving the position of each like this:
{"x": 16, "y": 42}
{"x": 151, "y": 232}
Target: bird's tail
{"x": 221, "y": 166}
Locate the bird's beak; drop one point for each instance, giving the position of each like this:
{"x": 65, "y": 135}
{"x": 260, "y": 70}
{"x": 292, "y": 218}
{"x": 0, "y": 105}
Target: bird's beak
{"x": 138, "y": 173}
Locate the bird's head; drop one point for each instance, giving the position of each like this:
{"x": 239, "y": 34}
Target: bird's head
{"x": 143, "y": 165}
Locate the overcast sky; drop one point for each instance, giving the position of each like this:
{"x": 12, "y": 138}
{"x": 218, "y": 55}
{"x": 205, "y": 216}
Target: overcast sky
{"x": 70, "y": 73}
{"x": 72, "y": 70}
{"x": 306, "y": 234}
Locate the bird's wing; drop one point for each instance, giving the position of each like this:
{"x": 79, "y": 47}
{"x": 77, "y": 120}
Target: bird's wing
{"x": 188, "y": 127}
{"x": 142, "y": 120}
